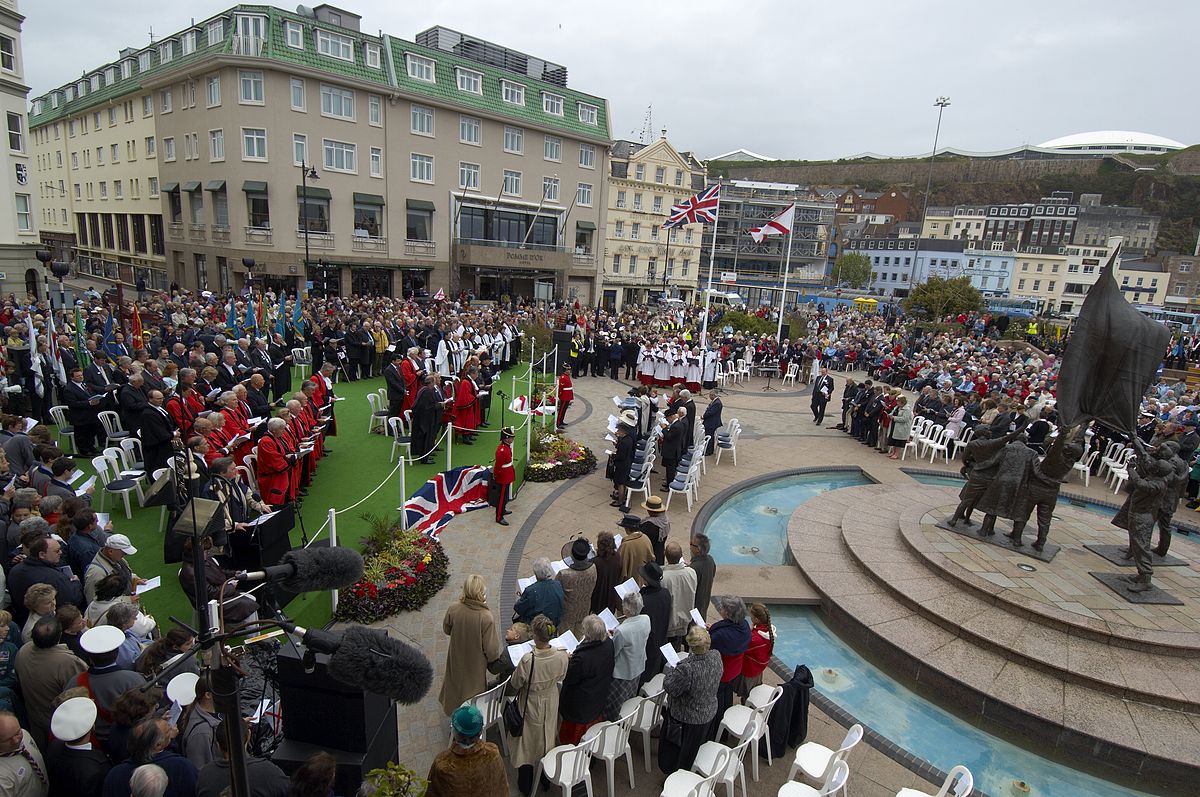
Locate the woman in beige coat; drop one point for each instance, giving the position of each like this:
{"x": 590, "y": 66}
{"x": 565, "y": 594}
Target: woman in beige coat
{"x": 473, "y": 643}
{"x": 549, "y": 666}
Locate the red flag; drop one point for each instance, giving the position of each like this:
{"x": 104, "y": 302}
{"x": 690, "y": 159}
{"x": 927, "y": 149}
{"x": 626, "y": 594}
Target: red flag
{"x": 135, "y": 327}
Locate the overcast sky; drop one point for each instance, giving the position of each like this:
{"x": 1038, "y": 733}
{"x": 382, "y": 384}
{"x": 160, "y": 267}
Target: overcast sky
{"x": 790, "y": 79}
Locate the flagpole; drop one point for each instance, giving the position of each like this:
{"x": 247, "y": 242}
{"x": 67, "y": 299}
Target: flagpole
{"x": 712, "y": 257}
{"x": 787, "y": 262}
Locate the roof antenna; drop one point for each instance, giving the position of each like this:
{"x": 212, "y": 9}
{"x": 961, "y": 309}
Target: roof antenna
{"x": 152, "y": 34}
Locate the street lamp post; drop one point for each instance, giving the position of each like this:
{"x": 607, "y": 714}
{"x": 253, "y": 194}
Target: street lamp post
{"x": 307, "y": 173}
{"x": 941, "y": 103}
{"x": 248, "y": 263}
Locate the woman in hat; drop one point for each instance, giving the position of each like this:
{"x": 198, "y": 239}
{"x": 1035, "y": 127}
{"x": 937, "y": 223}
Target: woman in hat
{"x": 473, "y": 644}
{"x": 620, "y": 463}
{"x": 657, "y": 527}
{"x": 635, "y": 548}
{"x": 578, "y": 582}
{"x": 607, "y": 565}
{"x": 472, "y": 765}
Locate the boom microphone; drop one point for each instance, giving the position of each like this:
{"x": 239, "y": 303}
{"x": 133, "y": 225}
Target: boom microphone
{"x": 312, "y": 570}
{"x": 369, "y": 659}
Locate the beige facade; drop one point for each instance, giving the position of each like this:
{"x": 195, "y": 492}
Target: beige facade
{"x": 1184, "y": 290}
{"x": 641, "y": 260}
{"x": 422, "y": 169}
{"x": 1040, "y": 277}
{"x": 19, "y": 210}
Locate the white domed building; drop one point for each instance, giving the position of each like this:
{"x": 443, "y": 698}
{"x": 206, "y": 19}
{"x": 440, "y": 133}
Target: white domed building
{"x": 1111, "y": 142}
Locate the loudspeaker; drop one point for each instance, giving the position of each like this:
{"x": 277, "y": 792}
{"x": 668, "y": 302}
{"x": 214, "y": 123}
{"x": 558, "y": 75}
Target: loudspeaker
{"x": 352, "y": 767}
{"x": 786, "y": 332}
{"x": 321, "y": 711}
{"x": 562, "y": 342}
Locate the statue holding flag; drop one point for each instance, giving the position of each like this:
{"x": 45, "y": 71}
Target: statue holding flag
{"x": 1111, "y": 359}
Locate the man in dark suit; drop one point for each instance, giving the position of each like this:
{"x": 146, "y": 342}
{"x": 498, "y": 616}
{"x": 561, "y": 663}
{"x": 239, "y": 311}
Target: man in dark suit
{"x": 157, "y": 431}
{"x": 673, "y": 444}
{"x": 256, "y": 397}
{"x": 712, "y": 421}
{"x": 281, "y": 367}
{"x": 822, "y": 390}
{"x": 131, "y": 400}
{"x": 102, "y": 377}
{"x": 260, "y": 361}
{"x": 83, "y": 402}
{"x": 395, "y": 384}
{"x": 426, "y": 418}
{"x": 689, "y": 421}
{"x": 228, "y": 373}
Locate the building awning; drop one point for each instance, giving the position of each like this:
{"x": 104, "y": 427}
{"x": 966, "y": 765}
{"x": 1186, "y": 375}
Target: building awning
{"x": 255, "y": 187}
{"x": 214, "y": 185}
{"x": 170, "y": 187}
{"x": 420, "y": 204}
{"x": 191, "y": 185}
{"x": 368, "y": 199}
{"x": 313, "y": 193}
{"x": 585, "y": 225}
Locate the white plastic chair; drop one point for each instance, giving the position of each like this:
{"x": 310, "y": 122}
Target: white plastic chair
{"x": 728, "y": 444}
{"x": 113, "y": 431}
{"x": 939, "y": 443}
{"x": 112, "y": 486}
{"x": 653, "y": 687}
{"x": 682, "y": 783}
{"x": 734, "y": 769}
{"x": 838, "y": 775}
{"x": 913, "y": 442}
{"x": 134, "y": 458}
{"x": 1084, "y": 466}
{"x": 1118, "y": 461}
{"x": 759, "y": 702}
{"x": 63, "y": 429}
{"x": 814, "y": 761}
{"x": 247, "y": 474}
{"x": 300, "y": 360}
{"x": 120, "y": 470}
{"x": 378, "y": 417}
{"x": 401, "y": 442}
{"x": 959, "y": 443}
{"x": 491, "y": 706}
{"x": 567, "y": 765}
{"x": 612, "y": 743}
{"x": 646, "y": 711}
{"x": 1109, "y": 457}
{"x": 959, "y": 783}
{"x": 792, "y": 372}
{"x": 687, "y": 486}
{"x": 931, "y": 432}
{"x": 1117, "y": 477}
{"x": 639, "y": 483}
{"x": 744, "y": 369}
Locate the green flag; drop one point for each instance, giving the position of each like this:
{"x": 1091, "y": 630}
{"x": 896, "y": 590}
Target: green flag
{"x": 81, "y": 355}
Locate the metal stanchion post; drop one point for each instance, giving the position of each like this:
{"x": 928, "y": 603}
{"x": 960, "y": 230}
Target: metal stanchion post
{"x": 403, "y": 493}
{"x": 332, "y": 544}
{"x": 449, "y": 443}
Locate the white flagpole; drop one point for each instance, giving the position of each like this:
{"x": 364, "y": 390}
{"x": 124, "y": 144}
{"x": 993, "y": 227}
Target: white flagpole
{"x": 712, "y": 257}
{"x": 787, "y": 262}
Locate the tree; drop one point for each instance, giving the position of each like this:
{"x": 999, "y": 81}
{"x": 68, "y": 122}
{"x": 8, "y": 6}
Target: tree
{"x": 852, "y": 269}
{"x": 937, "y": 298}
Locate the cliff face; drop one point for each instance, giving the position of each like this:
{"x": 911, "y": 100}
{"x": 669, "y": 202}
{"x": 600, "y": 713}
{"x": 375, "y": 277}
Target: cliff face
{"x": 1167, "y": 186}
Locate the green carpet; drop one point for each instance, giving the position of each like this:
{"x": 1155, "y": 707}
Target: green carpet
{"x": 359, "y": 463}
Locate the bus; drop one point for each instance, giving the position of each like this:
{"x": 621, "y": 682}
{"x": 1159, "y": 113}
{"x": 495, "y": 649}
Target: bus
{"x": 1175, "y": 319}
{"x": 1022, "y": 308}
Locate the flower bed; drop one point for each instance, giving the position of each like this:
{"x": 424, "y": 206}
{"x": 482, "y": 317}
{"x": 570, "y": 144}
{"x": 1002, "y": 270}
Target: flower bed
{"x": 553, "y": 457}
{"x": 403, "y": 571}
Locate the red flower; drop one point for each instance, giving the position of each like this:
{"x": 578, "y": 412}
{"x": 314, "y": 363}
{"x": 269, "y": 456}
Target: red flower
{"x": 420, "y": 567}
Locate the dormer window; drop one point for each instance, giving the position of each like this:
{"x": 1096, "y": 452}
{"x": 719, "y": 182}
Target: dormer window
{"x": 469, "y": 80}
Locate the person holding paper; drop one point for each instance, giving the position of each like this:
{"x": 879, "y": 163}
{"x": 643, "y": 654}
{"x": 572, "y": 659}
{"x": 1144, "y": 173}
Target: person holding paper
{"x": 629, "y": 655}
{"x": 680, "y": 581}
{"x": 158, "y": 433}
{"x": 274, "y": 465}
{"x": 61, "y": 471}
{"x": 578, "y": 579}
{"x": 656, "y": 604}
{"x": 635, "y": 549}
{"x": 691, "y": 688}
{"x": 607, "y": 564}
{"x": 83, "y": 404}
{"x": 535, "y": 682}
{"x": 586, "y": 684}
{"x": 111, "y": 559}
{"x": 543, "y": 597}
{"x": 474, "y": 643}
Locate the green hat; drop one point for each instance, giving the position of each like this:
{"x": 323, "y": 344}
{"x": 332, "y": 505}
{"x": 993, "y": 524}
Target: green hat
{"x": 467, "y": 722}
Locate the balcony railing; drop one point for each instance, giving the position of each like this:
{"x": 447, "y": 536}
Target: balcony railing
{"x": 198, "y": 232}
{"x": 259, "y": 236}
{"x": 367, "y": 243}
{"x": 413, "y": 248}
{"x": 220, "y": 233}
{"x": 583, "y": 258}
{"x": 248, "y": 45}
{"x": 316, "y": 240}
{"x": 175, "y": 230}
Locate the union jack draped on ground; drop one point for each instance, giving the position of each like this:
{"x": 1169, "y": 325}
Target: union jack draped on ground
{"x": 445, "y": 495}
{"x": 697, "y": 209}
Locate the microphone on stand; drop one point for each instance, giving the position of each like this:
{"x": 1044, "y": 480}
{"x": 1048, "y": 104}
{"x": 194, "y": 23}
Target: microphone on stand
{"x": 311, "y": 570}
{"x": 369, "y": 659}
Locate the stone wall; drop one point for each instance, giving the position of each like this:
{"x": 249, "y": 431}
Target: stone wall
{"x": 913, "y": 172}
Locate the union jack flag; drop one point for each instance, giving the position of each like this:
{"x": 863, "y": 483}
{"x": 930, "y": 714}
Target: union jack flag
{"x": 445, "y": 495}
{"x": 697, "y": 209}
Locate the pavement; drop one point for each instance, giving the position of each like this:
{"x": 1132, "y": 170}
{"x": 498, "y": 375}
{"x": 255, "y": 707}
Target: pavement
{"x": 779, "y": 434}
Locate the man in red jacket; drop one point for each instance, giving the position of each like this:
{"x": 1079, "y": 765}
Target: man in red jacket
{"x": 275, "y": 465}
{"x": 503, "y": 472}
{"x": 566, "y": 394}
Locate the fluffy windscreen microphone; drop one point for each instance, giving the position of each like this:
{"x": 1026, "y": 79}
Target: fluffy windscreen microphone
{"x": 371, "y": 660}
{"x": 311, "y": 570}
